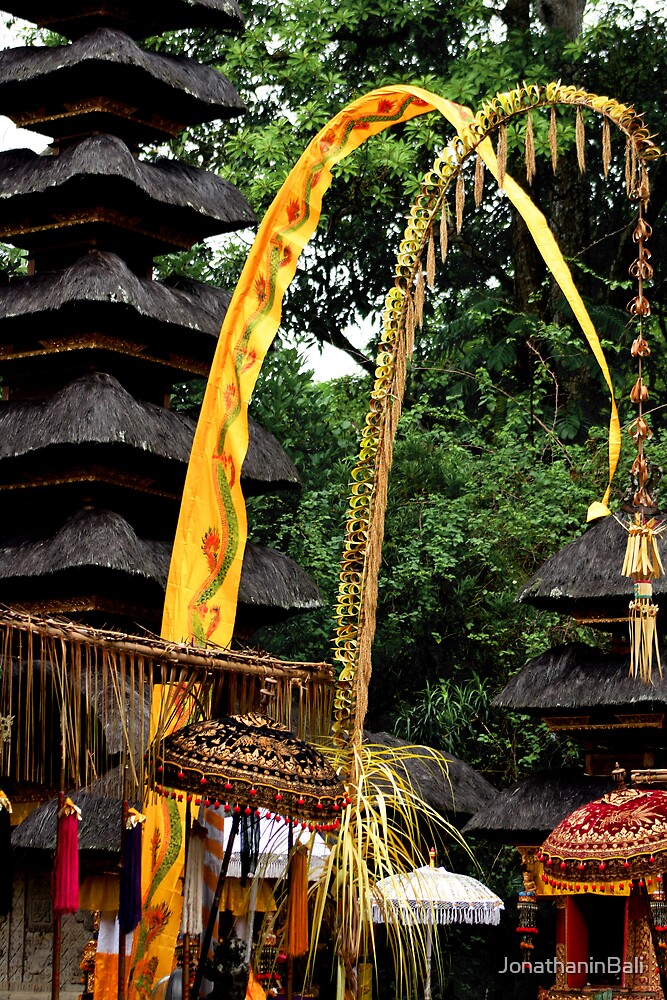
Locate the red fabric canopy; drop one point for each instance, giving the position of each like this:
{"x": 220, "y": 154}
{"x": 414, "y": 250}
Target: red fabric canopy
{"x": 622, "y": 834}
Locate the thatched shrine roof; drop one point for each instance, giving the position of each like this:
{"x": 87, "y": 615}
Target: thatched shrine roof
{"x": 461, "y": 791}
{"x": 584, "y": 578}
{"x": 577, "y": 677}
{"x": 74, "y": 18}
{"x": 104, "y": 82}
{"x": 525, "y": 813}
{"x": 99, "y": 829}
{"x": 96, "y": 189}
{"x": 98, "y": 552}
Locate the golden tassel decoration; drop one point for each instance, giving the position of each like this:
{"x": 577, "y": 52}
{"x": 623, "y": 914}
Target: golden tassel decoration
{"x": 530, "y": 150}
{"x": 643, "y": 563}
{"x": 581, "y": 138}
{"x": 296, "y": 943}
{"x": 502, "y": 154}
{"x": 606, "y": 146}
{"x": 553, "y": 139}
{"x": 479, "y": 180}
{"x": 459, "y": 200}
{"x": 444, "y": 235}
{"x": 430, "y": 260}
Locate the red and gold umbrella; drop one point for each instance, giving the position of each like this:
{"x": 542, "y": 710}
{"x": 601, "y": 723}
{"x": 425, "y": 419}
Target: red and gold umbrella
{"x": 246, "y": 763}
{"x": 620, "y": 837}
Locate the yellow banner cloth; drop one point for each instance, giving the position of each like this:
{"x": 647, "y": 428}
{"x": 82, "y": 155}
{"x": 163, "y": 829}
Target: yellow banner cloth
{"x": 210, "y": 539}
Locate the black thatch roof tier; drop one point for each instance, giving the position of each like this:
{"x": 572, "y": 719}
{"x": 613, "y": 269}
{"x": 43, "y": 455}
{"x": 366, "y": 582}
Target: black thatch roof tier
{"x": 99, "y": 829}
{"x": 98, "y": 308}
{"x": 577, "y": 677}
{"x": 74, "y": 18}
{"x": 525, "y": 813}
{"x": 584, "y": 579}
{"x": 98, "y": 552}
{"x": 93, "y": 410}
{"x": 95, "y": 413}
{"x": 461, "y": 790}
{"x": 97, "y": 190}
{"x": 105, "y": 83}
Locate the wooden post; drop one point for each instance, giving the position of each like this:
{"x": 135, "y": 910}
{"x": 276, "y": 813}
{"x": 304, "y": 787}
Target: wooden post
{"x": 215, "y": 906}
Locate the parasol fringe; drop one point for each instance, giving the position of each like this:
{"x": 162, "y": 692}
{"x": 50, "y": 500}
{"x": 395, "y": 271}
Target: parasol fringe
{"x": 439, "y": 914}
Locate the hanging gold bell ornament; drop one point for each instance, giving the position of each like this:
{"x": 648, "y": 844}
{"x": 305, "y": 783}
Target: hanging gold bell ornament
{"x": 642, "y": 557}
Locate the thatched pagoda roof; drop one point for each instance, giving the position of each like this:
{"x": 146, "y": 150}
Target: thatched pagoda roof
{"x": 101, "y": 284}
{"x": 95, "y": 412}
{"x": 99, "y": 829}
{"x": 97, "y": 306}
{"x": 584, "y": 578}
{"x": 462, "y": 791}
{"x": 104, "y": 82}
{"x": 97, "y": 189}
{"x": 74, "y": 18}
{"x": 525, "y": 813}
{"x": 578, "y": 677}
{"x": 100, "y": 551}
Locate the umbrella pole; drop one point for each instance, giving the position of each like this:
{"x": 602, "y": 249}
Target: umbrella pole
{"x": 429, "y": 950}
{"x": 186, "y": 937}
{"x": 290, "y": 958}
{"x": 215, "y": 906}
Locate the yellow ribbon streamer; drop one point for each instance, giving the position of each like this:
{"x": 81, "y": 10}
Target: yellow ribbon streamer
{"x": 205, "y": 570}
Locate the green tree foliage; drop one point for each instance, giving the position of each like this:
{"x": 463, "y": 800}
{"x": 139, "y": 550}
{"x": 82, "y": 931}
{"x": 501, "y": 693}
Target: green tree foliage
{"x": 502, "y": 444}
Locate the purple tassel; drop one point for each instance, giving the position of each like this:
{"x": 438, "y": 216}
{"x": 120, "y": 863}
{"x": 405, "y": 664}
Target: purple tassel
{"x": 129, "y": 911}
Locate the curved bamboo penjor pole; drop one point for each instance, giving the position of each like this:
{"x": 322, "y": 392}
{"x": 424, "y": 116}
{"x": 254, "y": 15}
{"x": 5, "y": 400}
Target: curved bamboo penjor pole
{"x": 357, "y": 591}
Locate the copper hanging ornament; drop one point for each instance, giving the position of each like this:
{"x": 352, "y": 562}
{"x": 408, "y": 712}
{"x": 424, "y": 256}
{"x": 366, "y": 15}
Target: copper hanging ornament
{"x": 642, "y": 561}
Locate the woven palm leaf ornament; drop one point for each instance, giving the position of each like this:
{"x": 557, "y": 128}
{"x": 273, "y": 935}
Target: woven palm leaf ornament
{"x": 357, "y": 593}
{"x": 642, "y": 561}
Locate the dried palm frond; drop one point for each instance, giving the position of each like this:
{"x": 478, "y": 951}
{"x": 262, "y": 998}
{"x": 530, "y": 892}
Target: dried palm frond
{"x": 502, "y": 154}
{"x": 444, "y": 234}
{"x": 581, "y": 139}
{"x": 430, "y": 260}
{"x": 479, "y": 180}
{"x": 420, "y": 289}
{"x": 606, "y": 146}
{"x": 553, "y": 139}
{"x": 459, "y": 200}
{"x": 530, "y": 150}
{"x": 385, "y": 832}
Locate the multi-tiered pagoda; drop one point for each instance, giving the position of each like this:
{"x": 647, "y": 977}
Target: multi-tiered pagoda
{"x": 605, "y": 941}
{"x": 92, "y": 457}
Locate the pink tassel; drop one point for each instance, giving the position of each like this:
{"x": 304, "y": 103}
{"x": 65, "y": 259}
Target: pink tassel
{"x": 66, "y": 864}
